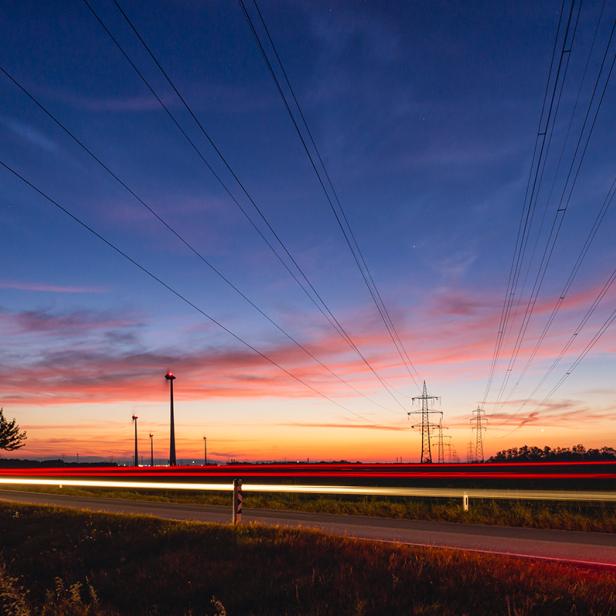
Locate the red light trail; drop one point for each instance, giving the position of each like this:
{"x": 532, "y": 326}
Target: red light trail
{"x": 504, "y": 471}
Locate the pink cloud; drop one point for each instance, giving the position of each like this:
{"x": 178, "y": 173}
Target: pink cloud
{"x": 76, "y": 323}
{"x": 456, "y": 347}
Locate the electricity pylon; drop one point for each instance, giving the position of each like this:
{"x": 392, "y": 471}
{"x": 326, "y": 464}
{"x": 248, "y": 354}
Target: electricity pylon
{"x": 478, "y": 421}
{"x": 452, "y": 454}
{"x": 447, "y": 448}
{"x": 469, "y": 452}
{"x": 440, "y": 442}
{"x": 426, "y": 425}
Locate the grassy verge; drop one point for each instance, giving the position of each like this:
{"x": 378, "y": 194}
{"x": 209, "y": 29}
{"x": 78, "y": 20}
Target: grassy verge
{"x": 565, "y": 516}
{"x": 78, "y": 563}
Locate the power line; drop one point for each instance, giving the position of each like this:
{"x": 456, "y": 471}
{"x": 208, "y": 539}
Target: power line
{"x": 562, "y": 208}
{"x": 576, "y": 332}
{"x": 533, "y": 193}
{"x": 196, "y": 149}
{"x": 590, "y": 344}
{"x": 341, "y": 218}
{"x": 594, "y": 228}
{"x": 318, "y": 300}
{"x": 569, "y": 282}
{"x": 166, "y": 285}
{"x": 536, "y": 185}
{"x": 528, "y": 209}
{"x": 176, "y": 233}
{"x": 565, "y": 141}
{"x": 328, "y": 314}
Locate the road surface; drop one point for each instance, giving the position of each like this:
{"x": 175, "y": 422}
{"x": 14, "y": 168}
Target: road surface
{"x": 572, "y": 546}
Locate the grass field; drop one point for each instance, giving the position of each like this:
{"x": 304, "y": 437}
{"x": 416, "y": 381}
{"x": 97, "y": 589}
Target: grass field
{"x": 559, "y": 515}
{"x": 76, "y": 563}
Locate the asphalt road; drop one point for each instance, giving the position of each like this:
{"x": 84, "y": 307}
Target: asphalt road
{"x": 572, "y": 546}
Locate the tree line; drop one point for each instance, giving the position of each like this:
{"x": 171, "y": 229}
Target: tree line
{"x": 556, "y": 454}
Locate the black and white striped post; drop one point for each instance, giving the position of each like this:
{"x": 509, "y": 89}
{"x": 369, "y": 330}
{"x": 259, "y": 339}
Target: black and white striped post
{"x": 237, "y": 502}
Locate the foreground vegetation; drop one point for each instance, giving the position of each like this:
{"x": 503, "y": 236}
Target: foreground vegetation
{"x": 77, "y": 563}
{"x": 598, "y": 517}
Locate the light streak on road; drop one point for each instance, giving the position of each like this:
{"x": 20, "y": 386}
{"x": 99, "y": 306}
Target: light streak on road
{"x": 111, "y": 483}
{"x": 545, "y": 495}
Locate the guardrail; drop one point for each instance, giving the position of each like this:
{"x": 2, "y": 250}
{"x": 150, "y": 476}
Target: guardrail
{"x": 238, "y": 487}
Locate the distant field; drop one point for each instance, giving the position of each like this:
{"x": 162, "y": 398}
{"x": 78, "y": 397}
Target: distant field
{"x": 597, "y": 517}
{"x": 62, "y": 562}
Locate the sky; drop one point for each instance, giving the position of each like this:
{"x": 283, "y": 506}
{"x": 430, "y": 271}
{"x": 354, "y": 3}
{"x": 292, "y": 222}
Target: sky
{"x": 426, "y": 116}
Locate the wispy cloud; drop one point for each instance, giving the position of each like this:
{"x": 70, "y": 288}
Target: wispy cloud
{"x": 30, "y": 134}
{"x": 344, "y": 426}
{"x": 552, "y": 414}
{"x": 43, "y": 287}
{"x": 129, "y": 103}
{"x": 204, "y": 95}
{"x": 75, "y": 322}
{"x": 461, "y": 155}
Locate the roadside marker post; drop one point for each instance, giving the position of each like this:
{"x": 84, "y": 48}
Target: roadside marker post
{"x": 465, "y": 502}
{"x": 238, "y": 498}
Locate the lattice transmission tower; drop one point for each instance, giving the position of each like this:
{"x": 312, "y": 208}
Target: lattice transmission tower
{"x": 452, "y": 454}
{"x": 441, "y": 443}
{"x": 448, "y": 449}
{"x": 427, "y": 426}
{"x": 470, "y": 452}
{"x": 479, "y": 421}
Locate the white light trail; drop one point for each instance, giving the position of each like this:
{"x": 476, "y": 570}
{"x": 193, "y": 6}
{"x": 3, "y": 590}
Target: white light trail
{"x": 545, "y": 495}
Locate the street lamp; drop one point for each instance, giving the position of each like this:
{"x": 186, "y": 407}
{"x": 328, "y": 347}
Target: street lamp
{"x": 171, "y": 377}
{"x": 151, "y": 449}
{"x": 205, "y": 451}
{"x": 135, "y": 418}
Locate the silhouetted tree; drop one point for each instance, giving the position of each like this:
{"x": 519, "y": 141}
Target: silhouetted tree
{"x": 11, "y": 435}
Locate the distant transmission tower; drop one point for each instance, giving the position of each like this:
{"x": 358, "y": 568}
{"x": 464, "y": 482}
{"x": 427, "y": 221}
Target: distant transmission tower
{"x": 469, "y": 452}
{"x": 426, "y": 425}
{"x": 478, "y": 421}
{"x": 448, "y": 448}
{"x": 454, "y": 458}
{"x": 440, "y": 441}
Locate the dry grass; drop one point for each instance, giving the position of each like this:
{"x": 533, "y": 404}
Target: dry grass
{"x": 139, "y": 565}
